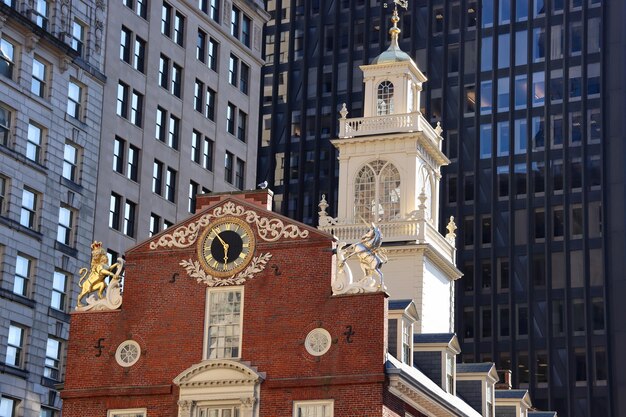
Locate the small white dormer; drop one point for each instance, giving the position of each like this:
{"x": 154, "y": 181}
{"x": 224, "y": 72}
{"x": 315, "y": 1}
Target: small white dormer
{"x": 435, "y": 355}
{"x": 513, "y": 402}
{"x": 393, "y": 82}
{"x": 402, "y": 315}
{"x": 476, "y": 383}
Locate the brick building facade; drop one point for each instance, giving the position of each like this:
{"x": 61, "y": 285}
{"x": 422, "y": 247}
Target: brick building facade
{"x": 271, "y": 368}
{"x": 164, "y": 312}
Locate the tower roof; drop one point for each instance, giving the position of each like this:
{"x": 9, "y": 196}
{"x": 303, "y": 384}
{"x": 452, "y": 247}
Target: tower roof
{"x": 393, "y": 53}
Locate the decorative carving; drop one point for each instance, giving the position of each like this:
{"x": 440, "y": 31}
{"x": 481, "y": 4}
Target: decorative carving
{"x": 194, "y": 270}
{"x": 99, "y": 29}
{"x": 101, "y": 4}
{"x": 269, "y": 230}
{"x": 323, "y": 218}
{"x": 65, "y": 62}
{"x": 247, "y": 402}
{"x": 184, "y": 408}
{"x": 92, "y": 280}
{"x": 344, "y": 111}
{"x": 31, "y": 41}
{"x": 438, "y": 129}
{"x": 422, "y": 198}
{"x": 371, "y": 258}
{"x": 451, "y": 235}
{"x": 65, "y": 10}
{"x": 323, "y": 205}
{"x": 184, "y": 405}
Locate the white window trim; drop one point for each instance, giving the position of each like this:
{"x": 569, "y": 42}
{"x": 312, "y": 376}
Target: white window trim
{"x": 297, "y": 404}
{"x": 209, "y": 383}
{"x": 445, "y": 354}
{"x": 388, "y": 163}
{"x": 489, "y": 399}
{"x": 205, "y": 342}
{"x": 215, "y": 404}
{"x": 124, "y": 345}
{"x": 127, "y": 411}
{"x": 318, "y": 335}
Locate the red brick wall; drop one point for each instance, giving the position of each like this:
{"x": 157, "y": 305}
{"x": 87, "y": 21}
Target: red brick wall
{"x": 167, "y": 319}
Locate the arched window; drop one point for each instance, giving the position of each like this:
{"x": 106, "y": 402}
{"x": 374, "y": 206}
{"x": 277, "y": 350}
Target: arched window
{"x": 377, "y": 192}
{"x": 385, "y": 98}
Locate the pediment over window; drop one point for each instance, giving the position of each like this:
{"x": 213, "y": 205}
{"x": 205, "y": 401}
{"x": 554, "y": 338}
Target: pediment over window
{"x": 219, "y": 386}
{"x": 218, "y": 373}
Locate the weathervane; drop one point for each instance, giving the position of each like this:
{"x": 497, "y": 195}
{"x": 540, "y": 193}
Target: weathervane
{"x": 402, "y": 3}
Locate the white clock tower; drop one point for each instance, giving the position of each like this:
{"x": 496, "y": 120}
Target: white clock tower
{"x": 389, "y": 171}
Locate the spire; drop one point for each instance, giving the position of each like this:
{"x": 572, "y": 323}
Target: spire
{"x": 395, "y": 30}
{"x": 393, "y": 53}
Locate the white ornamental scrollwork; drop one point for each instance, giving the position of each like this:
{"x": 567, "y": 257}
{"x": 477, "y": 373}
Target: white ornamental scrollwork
{"x": 268, "y": 229}
{"x": 194, "y": 270}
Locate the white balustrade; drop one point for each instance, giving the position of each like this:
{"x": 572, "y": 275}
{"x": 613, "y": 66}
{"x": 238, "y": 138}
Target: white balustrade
{"x": 363, "y": 126}
{"x": 420, "y": 231}
{"x": 390, "y": 123}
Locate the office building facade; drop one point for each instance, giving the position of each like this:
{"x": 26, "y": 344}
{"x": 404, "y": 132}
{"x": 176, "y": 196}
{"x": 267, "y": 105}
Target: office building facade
{"x": 526, "y": 93}
{"x": 51, "y": 85}
{"x": 181, "y": 110}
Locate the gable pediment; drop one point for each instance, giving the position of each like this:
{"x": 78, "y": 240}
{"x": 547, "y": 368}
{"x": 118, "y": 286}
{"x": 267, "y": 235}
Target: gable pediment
{"x": 211, "y": 373}
{"x": 269, "y": 226}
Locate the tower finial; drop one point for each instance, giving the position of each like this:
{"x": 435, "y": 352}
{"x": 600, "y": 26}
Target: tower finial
{"x": 394, "y": 31}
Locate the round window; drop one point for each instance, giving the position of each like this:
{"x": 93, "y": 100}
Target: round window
{"x": 317, "y": 342}
{"x": 127, "y": 353}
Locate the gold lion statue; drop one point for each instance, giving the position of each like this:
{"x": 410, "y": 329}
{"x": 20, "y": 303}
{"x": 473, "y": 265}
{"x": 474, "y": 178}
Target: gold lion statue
{"x": 93, "y": 279}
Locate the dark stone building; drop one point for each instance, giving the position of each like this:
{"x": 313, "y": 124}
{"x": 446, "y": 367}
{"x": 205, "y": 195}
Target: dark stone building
{"x": 529, "y": 94}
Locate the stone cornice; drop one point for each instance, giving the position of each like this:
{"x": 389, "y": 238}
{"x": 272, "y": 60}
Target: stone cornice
{"x": 491, "y": 376}
{"x": 452, "y": 347}
{"x": 415, "y": 139}
{"x": 418, "y": 399}
{"x": 382, "y": 69}
{"x": 438, "y": 259}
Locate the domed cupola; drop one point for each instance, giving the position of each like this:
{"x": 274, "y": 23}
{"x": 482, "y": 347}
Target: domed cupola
{"x": 393, "y": 82}
{"x": 393, "y": 53}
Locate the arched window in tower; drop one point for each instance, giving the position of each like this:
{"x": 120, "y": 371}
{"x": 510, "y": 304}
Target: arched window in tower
{"x": 377, "y": 192}
{"x": 385, "y": 98}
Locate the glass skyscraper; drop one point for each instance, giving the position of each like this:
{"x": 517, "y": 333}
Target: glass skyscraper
{"x": 528, "y": 93}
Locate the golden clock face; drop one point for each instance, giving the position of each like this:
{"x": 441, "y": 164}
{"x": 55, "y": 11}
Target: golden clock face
{"x": 226, "y": 246}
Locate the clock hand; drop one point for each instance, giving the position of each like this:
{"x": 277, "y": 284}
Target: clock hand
{"x": 224, "y": 245}
{"x": 218, "y": 237}
{"x": 225, "y": 253}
